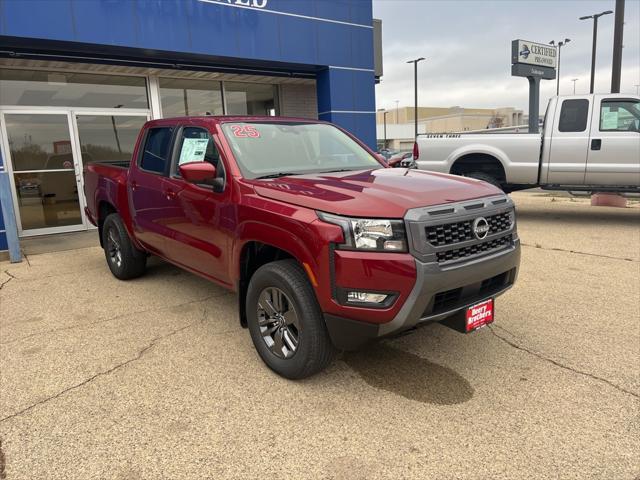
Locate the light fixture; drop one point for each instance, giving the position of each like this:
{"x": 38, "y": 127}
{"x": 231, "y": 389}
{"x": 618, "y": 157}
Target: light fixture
{"x": 366, "y": 297}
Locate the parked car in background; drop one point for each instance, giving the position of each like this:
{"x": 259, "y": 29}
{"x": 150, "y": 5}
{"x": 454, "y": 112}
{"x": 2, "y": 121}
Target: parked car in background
{"x": 387, "y": 153}
{"x": 396, "y": 159}
{"x": 589, "y": 143}
{"x": 326, "y": 248}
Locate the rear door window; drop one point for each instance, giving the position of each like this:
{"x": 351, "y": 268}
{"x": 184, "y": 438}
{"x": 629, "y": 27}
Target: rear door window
{"x": 157, "y": 150}
{"x": 573, "y": 115}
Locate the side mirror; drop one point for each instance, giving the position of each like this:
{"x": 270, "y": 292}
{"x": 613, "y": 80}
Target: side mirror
{"x": 197, "y": 172}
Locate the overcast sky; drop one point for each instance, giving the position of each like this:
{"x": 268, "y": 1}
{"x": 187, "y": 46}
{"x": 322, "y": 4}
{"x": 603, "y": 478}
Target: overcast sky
{"x": 468, "y": 49}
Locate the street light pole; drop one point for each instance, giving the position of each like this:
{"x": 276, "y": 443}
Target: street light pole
{"x": 637, "y": 89}
{"x": 415, "y": 87}
{"x": 593, "y": 46}
{"x": 384, "y": 116}
{"x": 574, "y": 80}
{"x": 618, "y": 31}
{"x": 560, "y": 45}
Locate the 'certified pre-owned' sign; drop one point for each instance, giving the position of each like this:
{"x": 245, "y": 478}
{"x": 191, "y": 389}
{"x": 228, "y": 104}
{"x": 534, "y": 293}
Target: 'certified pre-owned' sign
{"x": 532, "y": 53}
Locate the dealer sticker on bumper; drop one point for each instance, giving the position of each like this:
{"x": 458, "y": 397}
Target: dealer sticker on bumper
{"x": 479, "y": 315}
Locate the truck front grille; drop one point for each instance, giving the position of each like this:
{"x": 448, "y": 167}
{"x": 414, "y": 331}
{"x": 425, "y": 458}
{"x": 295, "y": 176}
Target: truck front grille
{"x": 444, "y": 234}
{"x": 473, "y": 250}
{"x": 451, "y": 233}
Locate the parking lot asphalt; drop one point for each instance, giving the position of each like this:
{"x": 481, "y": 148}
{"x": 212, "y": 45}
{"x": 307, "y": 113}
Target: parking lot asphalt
{"x": 155, "y": 378}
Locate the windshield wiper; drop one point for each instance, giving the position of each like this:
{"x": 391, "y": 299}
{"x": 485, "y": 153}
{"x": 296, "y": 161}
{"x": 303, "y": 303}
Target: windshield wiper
{"x": 276, "y": 175}
{"x": 342, "y": 170}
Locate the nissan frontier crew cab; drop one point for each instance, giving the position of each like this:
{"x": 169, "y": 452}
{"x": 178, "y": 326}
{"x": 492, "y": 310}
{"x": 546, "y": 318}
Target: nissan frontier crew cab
{"x": 326, "y": 247}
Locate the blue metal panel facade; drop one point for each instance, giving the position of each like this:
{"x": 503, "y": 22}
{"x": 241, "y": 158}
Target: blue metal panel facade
{"x": 332, "y": 39}
{"x": 309, "y": 35}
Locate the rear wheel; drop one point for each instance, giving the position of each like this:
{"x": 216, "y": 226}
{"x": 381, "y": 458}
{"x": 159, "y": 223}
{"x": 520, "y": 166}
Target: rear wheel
{"x": 485, "y": 177}
{"x": 124, "y": 259}
{"x": 285, "y": 321}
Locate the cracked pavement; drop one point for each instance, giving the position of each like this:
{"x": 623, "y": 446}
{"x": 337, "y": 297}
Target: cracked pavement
{"x": 154, "y": 378}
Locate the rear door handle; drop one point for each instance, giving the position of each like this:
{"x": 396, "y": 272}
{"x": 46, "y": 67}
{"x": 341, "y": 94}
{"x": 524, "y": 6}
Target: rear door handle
{"x": 170, "y": 194}
{"x": 134, "y": 185}
{"x": 596, "y": 144}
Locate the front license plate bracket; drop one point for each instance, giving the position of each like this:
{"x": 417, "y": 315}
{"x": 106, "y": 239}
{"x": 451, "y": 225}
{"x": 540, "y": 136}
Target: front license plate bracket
{"x": 472, "y": 318}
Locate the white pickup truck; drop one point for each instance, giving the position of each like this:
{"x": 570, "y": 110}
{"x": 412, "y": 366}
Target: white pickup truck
{"x": 588, "y": 143}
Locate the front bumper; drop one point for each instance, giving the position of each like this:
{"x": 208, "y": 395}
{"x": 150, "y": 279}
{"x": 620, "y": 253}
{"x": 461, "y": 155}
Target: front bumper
{"x": 439, "y": 292}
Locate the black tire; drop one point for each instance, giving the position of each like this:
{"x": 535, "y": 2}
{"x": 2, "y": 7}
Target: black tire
{"x": 485, "y": 177}
{"x": 314, "y": 350}
{"x": 124, "y": 259}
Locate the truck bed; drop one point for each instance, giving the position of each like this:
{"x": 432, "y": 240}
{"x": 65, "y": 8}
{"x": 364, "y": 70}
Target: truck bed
{"x": 106, "y": 181}
{"x": 518, "y": 152}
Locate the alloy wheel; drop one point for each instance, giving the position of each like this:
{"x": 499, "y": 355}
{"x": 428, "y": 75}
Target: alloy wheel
{"x": 278, "y": 322}
{"x": 113, "y": 249}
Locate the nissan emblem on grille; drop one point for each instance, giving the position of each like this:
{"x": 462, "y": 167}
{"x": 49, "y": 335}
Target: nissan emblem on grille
{"x": 480, "y": 228}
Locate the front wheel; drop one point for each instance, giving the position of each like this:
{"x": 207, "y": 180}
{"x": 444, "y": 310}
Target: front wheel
{"x": 285, "y": 321}
{"x": 124, "y": 259}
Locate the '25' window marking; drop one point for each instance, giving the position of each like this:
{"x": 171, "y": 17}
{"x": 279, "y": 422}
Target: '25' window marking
{"x": 244, "y": 131}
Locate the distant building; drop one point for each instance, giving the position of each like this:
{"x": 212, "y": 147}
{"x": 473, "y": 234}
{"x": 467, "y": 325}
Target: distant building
{"x": 400, "y": 122}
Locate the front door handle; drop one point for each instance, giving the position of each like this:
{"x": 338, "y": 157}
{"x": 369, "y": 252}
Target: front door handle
{"x": 170, "y": 194}
{"x": 596, "y": 144}
{"x": 134, "y": 185}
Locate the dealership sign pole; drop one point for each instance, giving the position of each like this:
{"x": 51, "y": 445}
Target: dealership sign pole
{"x": 535, "y": 61}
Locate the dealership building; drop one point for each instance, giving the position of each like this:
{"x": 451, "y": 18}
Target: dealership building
{"x": 78, "y": 78}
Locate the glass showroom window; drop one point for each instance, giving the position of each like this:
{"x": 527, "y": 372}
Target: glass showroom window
{"x": 180, "y": 97}
{"x": 108, "y": 138}
{"x": 251, "y": 98}
{"x": 68, "y": 89}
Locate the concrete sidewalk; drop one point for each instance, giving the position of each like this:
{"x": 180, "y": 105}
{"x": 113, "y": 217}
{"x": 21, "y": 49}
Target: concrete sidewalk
{"x": 155, "y": 378}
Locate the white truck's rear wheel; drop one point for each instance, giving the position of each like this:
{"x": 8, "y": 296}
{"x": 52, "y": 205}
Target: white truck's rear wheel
{"x": 485, "y": 177}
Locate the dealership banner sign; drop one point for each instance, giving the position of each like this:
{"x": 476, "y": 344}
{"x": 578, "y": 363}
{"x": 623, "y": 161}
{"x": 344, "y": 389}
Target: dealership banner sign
{"x": 531, "y": 53}
{"x": 534, "y": 61}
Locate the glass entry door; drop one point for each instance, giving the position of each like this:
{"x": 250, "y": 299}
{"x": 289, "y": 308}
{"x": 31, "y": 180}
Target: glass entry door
{"x": 46, "y": 172}
{"x": 48, "y": 151}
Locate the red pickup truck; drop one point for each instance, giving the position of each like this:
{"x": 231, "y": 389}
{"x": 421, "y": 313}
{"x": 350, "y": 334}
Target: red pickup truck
{"x": 326, "y": 247}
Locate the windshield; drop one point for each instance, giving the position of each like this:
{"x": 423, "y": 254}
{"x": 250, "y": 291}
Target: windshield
{"x": 265, "y": 149}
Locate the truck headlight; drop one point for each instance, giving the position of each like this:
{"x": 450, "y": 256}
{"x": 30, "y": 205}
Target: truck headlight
{"x": 370, "y": 234}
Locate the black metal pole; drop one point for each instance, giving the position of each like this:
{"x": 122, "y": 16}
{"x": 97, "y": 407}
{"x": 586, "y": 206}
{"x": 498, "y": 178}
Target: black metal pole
{"x": 415, "y": 108}
{"x": 617, "y": 47}
{"x": 415, "y": 92}
{"x": 593, "y": 53}
{"x": 558, "y": 72}
{"x": 384, "y": 115}
{"x": 534, "y": 103}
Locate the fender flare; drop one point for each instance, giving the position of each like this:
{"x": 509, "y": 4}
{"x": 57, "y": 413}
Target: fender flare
{"x": 116, "y": 197}
{"x": 478, "y": 149}
{"x": 278, "y": 237}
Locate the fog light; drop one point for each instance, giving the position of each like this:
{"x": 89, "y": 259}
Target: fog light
{"x": 397, "y": 245}
{"x": 366, "y": 297}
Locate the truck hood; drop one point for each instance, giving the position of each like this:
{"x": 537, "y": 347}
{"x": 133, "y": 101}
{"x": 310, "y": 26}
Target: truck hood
{"x": 382, "y": 193}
